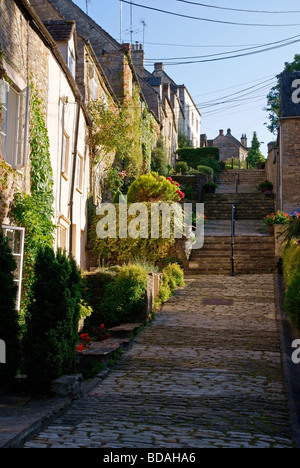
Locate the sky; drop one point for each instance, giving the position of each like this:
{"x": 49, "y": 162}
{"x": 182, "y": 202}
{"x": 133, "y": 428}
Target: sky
{"x": 195, "y": 46}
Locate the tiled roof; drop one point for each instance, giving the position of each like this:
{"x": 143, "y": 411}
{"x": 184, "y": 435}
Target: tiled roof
{"x": 60, "y": 30}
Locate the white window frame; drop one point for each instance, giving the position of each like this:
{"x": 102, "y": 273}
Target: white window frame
{"x": 13, "y": 137}
{"x": 20, "y": 257}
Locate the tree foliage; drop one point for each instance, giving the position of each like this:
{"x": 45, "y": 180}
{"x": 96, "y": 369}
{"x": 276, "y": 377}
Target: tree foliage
{"x": 254, "y": 155}
{"x": 273, "y": 98}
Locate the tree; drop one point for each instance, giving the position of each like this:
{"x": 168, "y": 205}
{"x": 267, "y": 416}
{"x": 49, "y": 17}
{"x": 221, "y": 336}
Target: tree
{"x": 273, "y": 98}
{"x": 254, "y": 155}
{"x": 159, "y": 158}
{"x": 53, "y": 315}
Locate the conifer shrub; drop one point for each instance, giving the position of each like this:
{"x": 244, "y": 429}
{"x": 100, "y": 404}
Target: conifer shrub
{"x": 173, "y": 276}
{"x": 53, "y": 315}
{"x": 9, "y": 327}
{"x": 291, "y": 261}
{"x": 152, "y": 188}
{"x": 181, "y": 167}
{"x": 125, "y": 297}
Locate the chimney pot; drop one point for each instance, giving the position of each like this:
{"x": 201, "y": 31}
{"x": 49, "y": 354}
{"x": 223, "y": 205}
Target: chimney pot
{"x": 221, "y": 132}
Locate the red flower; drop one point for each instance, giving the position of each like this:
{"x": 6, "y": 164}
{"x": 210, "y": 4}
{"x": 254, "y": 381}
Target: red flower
{"x": 79, "y": 348}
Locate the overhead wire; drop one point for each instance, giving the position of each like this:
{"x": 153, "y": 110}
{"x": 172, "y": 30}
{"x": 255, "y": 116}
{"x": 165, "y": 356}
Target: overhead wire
{"x": 240, "y": 9}
{"x": 210, "y": 20}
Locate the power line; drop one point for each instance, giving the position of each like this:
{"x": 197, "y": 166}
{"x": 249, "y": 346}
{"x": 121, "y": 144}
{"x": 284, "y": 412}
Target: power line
{"x": 237, "y": 9}
{"x": 233, "y": 56}
{"x": 208, "y": 19}
{"x": 201, "y": 46}
{"x": 223, "y": 53}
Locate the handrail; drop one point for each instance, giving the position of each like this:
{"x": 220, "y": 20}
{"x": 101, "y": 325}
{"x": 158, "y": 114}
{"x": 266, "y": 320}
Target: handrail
{"x": 232, "y": 239}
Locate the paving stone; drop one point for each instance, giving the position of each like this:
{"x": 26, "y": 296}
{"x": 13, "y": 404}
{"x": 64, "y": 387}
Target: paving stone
{"x": 201, "y": 375}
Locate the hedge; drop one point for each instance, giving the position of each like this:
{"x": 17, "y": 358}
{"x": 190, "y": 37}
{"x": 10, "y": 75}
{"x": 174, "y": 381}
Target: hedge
{"x": 291, "y": 269}
{"x": 53, "y": 316}
{"x": 193, "y": 155}
{"x": 9, "y": 327}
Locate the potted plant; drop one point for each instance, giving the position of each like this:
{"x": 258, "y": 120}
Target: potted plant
{"x": 210, "y": 187}
{"x": 279, "y": 218}
{"x": 261, "y": 165}
{"x": 266, "y": 186}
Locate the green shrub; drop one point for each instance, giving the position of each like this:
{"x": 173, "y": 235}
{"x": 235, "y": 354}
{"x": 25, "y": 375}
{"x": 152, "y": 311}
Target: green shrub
{"x": 119, "y": 251}
{"x": 173, "y": 276}
{"x": 206, "y": 170}
{"x": 292, "y": 300}
{"x": 193, "y": 155}
{"x": 159, "y": 159}
{"x": 152, "y": 188}
{"x": 53, "y": 315}
{"x": 9, "y": 327}
{"x": 181, "y": 167}
{"x": 125, "y": 297}
{"x": 291, "y": 261}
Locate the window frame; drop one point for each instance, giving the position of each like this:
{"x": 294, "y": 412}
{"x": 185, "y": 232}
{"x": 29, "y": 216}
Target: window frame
{"x": 65, "y": 155}
{"x": 19, "y": 256}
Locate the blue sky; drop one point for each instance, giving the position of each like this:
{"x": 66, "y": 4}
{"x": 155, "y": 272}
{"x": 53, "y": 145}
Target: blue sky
{"x": 211, "y": 83}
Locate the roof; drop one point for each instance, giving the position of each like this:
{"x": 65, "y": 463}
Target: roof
{"x": 60, "y": 30}
{"x": 153, "y": 81}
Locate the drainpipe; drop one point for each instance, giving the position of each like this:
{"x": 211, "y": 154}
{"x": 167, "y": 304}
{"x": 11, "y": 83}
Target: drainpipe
{"x": 281, "y": 168}
{"x": 71, "y": 204}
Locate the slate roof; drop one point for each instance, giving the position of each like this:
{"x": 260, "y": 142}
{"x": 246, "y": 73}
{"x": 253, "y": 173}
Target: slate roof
{"x": 60, "y": 30}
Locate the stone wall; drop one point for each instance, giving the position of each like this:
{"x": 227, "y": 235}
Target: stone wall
{"x": 196, "y": 182}
{"x": 290, "y": 157}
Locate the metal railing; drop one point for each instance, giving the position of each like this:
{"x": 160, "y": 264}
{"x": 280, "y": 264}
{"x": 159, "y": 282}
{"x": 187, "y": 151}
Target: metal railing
{"x": 233, "y": 220}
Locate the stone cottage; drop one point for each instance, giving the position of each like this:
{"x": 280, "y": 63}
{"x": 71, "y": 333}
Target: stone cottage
{"x": 230, "y": 147}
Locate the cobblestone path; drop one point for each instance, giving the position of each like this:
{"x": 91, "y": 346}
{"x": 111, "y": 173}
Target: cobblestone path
{"x": 206, "y": 373}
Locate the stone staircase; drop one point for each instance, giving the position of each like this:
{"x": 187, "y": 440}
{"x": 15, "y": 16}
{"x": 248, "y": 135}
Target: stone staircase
{"x": 254, "y": 252}
{"x": 248, "y": 205}
{"x": 251, "y": 177}
{"x": 252, "y": 255}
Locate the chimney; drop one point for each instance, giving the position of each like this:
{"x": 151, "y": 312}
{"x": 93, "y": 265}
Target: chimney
{"x": 127, "y": 48}
{"x": 221, "y": 133}
{"x": 229, "y": 131}
{"x": 244, "y": 140}
{"x": 159, "y": 67}
{"x": 138, "y": 55}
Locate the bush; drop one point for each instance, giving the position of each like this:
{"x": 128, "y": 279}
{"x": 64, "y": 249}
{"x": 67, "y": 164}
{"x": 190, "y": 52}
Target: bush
{"x": 9, "y": 327}
{"x": 152, "y": 188}
{"x": 291, "y": 261}
{"x": 181, "y": 167}
{"x": 125, "y": 297}
{"x": 192, "y": 156}
{"x": 117, "y": 251}
{"x": 173, "y": 276}
{"x": 52, "y": 325}
{"x": 159, "y": 159}
{"x": 292, "y": 300}
{"x": 206, "y": 170}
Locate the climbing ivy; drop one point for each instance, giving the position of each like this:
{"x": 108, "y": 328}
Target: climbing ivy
{"x": 34, "y": 211}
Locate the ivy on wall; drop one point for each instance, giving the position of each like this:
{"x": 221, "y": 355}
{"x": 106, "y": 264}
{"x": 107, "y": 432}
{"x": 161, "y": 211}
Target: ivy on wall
{"x": 34, "y": 211}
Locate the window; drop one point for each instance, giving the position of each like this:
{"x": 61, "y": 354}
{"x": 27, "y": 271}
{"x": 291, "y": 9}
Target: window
{"x": 71, "y": 64}
{"x": 79, "y": 173}
{"x": 62, "y": 237}
{"x": 14, "y": 124}
{"x": 94, "y": 89}
{"x": 15, "y": 236}
{"x": 65, "y": 155}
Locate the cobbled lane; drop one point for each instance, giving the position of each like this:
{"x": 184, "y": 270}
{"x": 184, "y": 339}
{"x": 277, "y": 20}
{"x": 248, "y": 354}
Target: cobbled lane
{"x": 206, "y": 373}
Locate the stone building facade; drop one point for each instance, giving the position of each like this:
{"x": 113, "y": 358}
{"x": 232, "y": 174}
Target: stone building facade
{"x": 230, "y": 147}
{"x": 30, "y": 58}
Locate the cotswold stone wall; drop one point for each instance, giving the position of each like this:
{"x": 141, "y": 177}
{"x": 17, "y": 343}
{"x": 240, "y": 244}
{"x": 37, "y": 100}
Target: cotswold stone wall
{"x": 196, "y": 182}
{"x": 290, "y": 144}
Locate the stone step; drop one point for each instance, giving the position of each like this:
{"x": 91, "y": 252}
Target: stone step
{"x": 124, "y": 330}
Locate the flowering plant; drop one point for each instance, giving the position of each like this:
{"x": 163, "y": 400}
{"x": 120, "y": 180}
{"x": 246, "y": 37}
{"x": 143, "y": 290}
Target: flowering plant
{"x": 270, "y": 194}
{"x": 85, "y": 342}
{"x": 277, "y": 218}
{"x": 179, "y": 192}
{"x": 100, "y": 333}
